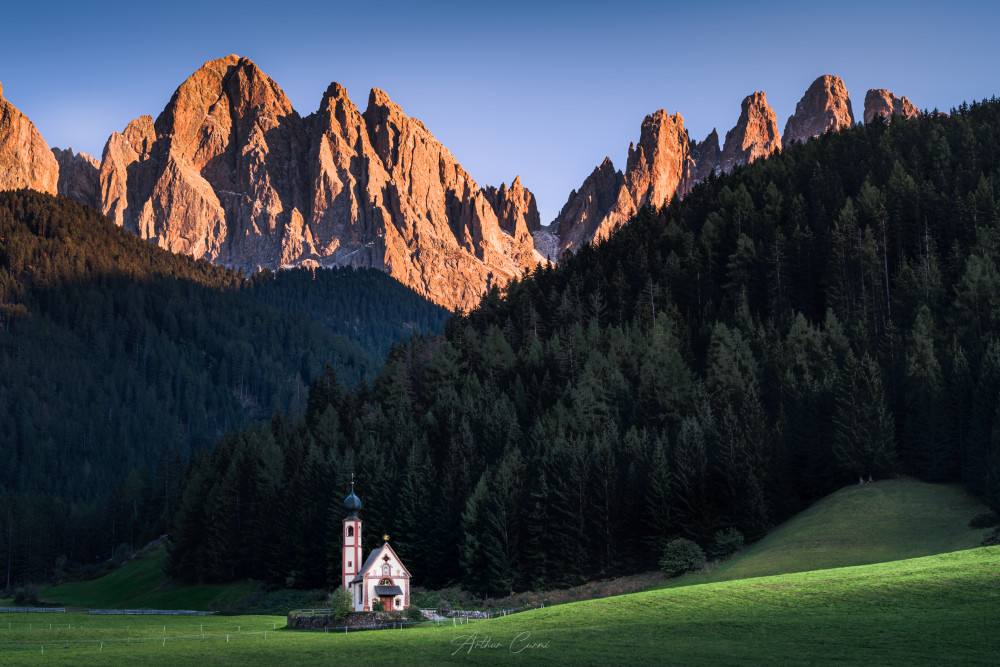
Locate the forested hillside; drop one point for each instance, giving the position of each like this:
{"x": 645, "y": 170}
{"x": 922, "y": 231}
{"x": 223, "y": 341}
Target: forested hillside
{"x": 118, "y": 360}
{"x": 826, "y": 314}
{"x": 366, "y": 306}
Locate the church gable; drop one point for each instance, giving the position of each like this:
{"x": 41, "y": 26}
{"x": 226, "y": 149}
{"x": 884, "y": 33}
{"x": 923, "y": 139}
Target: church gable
{"x": 383, "y": 562}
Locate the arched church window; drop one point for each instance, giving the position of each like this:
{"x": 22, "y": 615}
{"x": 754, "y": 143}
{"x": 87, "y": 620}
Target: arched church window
{"x": 350, "y": 531}
{"x": 385, "y": 569}
{"x": 385, "y": 582}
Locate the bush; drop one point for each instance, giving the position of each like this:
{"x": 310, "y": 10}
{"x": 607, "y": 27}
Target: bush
{"x": 26, "y": 596}
{"x": 984, "y": 520}
{"x": 377, "y": 605}
{"x": 992, "y": 539}
{"x": 414, "y": 614}
{"x": 123, "y": 552}
{"x": 726, "y": 542}
{"x": 341, "y": 603}
{"x": 681, "y": 555}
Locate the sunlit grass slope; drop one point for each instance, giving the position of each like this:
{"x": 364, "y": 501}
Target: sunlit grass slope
{"x": 141, "y": 584}
{"x": 885, "y": 521}
{"x": 941, "y": 609}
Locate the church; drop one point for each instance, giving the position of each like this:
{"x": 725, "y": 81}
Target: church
{"x": 382, "y": 577}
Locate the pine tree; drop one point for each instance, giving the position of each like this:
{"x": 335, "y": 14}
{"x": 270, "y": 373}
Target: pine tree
{"x": 863, "y": 440}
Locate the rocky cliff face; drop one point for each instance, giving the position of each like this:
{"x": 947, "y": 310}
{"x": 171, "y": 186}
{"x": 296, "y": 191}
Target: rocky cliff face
{"x": 664, "y": 163}
{"x": 218, "y": 175}
{"x": 25, "y": 158}
{"x": 881, "y": 102}
{"x": 825, "y": 106}
{"x": 659, "y": 166}
{"x": 587, "y": 207}
{"x": 755, "y": 135}
{"x": 516, "y": 208}
{"x": 230, "y": 172}
{"x": 79, "y": 176}
{"x": 707, "y": 158}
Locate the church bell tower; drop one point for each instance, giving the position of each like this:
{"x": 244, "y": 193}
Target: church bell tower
{"x": 351, "y": 563}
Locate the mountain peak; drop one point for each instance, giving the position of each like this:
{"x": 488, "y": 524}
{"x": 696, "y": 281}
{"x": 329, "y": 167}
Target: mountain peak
{"x": 515, "y": 208}
{"x": 334, "y": 91}
{"x": 379, "y": 98}
{"x": 879, "y": 101}
{"x": 755, "y": 135}
{"x": 825, "y": 106}
{"x": 25, "y": 158}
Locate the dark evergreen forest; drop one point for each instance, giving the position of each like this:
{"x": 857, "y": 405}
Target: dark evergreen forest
{"x": 119, "y": 361}
{"x": 828, "y": 314}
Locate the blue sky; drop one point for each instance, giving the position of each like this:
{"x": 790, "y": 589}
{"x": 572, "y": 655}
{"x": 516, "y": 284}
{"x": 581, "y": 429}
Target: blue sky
{"x": 544, "y": 90}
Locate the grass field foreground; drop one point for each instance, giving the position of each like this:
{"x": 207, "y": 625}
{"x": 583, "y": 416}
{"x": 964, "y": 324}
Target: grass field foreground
{"x": 940, "y": 609}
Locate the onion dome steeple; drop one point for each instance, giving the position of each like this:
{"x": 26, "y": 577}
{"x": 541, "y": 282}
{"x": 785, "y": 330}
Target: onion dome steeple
{"x": 352, "y": 503}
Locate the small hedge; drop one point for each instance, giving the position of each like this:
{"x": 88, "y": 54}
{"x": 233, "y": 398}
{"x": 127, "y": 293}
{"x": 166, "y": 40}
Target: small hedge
{"x": 726, "y": 542}
{"x": 681, "y": 555}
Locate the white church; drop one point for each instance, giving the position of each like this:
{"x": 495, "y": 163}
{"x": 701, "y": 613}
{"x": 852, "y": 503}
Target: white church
{"x": 382, "y": 576}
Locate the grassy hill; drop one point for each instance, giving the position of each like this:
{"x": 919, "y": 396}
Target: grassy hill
{"x": 939, "y": 609}
{"x": 885, "y": 521}
{"x": 141, "y": 585}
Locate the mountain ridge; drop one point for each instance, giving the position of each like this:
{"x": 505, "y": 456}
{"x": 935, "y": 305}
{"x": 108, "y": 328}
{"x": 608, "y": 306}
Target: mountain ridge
{"x": 231, "y": 172}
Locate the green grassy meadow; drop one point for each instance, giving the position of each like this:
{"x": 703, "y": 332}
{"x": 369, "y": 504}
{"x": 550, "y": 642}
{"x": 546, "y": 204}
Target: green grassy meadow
{"x": 881, "y": 574}
{"x": 858, "y": 525}
{"x": 142, "y": 585}
{"x": 941, "y": 609}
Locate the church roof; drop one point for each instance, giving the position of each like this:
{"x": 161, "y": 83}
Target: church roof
{"x": 371, "y": 559}
{"x": 388, "y": 590}
{"x": 352, "y": 504}
{"x": 368, "y": 564}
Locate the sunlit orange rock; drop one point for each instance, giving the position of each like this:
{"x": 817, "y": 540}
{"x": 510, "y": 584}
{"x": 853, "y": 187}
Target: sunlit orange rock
{"x": 825, "y": 106}
{"x": 881, "y": 102}
{"x": 230, "y": 172}
{"x": 755, "y": 135}
{"x": 516, "y": 208}
{"x": 659, "y": 166}
{"x": 25, "y": 158}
